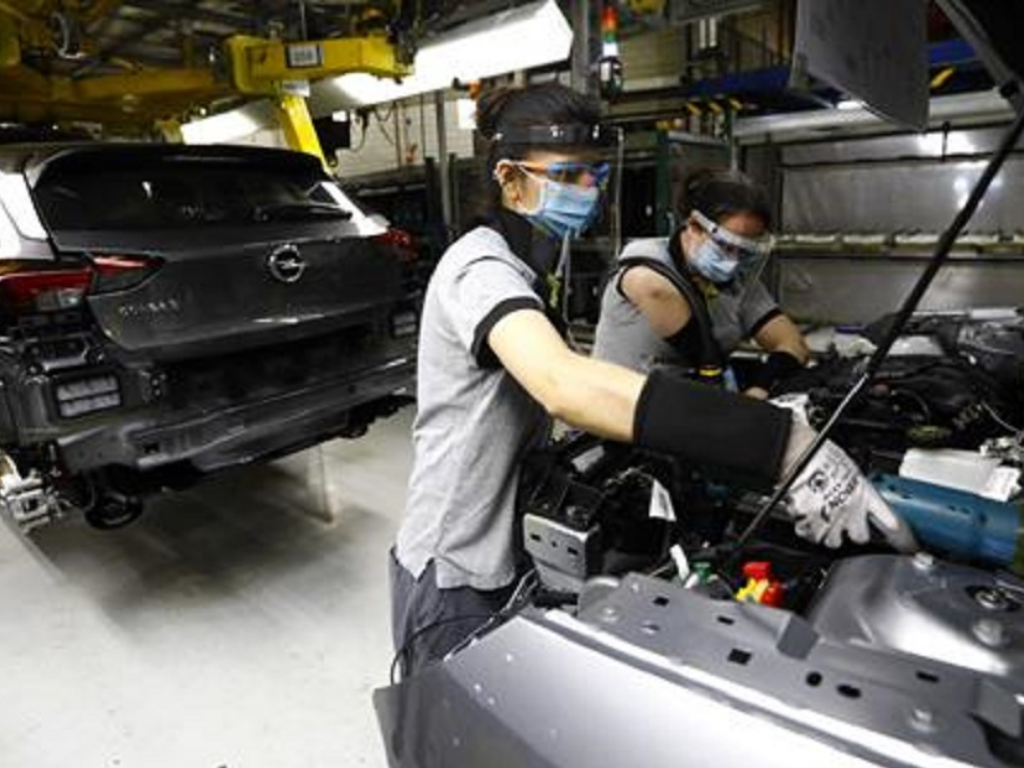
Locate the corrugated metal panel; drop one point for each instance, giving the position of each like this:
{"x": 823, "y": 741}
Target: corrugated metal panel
{"x": 929, "y": 145}
{"x": 886, "y": 198}
{"x": 656, "y": 54}
{"x": 891, "y": 185}
{"x": 859, "y": 290}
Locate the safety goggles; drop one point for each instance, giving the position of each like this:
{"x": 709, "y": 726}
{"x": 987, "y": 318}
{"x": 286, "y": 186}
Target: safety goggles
{"x": 571, "y": 172}
{"x": 735, "y": 245}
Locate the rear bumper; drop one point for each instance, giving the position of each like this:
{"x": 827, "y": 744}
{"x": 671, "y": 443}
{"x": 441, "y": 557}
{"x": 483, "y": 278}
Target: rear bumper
{"x": 225, "y": 437}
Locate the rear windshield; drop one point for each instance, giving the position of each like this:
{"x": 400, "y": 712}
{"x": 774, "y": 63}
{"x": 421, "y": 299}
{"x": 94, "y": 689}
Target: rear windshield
{"x": 88, "y": 194}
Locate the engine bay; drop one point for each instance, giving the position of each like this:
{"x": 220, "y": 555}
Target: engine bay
{"x": 645, "y": 548}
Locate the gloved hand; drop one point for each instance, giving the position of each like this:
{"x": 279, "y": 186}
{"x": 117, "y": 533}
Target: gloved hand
{"x": 832, "y": 498}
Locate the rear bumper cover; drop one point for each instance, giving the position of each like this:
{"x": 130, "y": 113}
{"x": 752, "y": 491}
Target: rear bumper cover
{"x": 214, "y": 439}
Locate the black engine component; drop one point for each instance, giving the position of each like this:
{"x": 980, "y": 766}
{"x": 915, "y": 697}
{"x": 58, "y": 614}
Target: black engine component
{"x": 590, "y": 507}
{"x": 585, "y": 504}
{"x": 969, "y": 393}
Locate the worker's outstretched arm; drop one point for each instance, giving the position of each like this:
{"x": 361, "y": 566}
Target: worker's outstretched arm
{"x": 780, "y": 334}
{"x": 667, "y": 311}
{"x": 661, "y": 411}
{"x": 831, "y": 498}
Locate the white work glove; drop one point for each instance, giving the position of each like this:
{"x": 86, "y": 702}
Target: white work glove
{"x": 831, "y": 498}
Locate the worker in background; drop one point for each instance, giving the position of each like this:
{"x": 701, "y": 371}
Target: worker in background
{"x": 493, "y": 369}
{"x": 690, "y": 299}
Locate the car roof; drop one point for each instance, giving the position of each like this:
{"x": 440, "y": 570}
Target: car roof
{"x": 35, "y": 156}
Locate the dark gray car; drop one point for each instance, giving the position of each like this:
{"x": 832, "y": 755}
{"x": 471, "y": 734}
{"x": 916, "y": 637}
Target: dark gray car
{"x": 168, "y": 311}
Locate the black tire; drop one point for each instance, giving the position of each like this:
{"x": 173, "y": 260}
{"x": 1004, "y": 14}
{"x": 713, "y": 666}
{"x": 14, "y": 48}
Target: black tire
{"x": 114, "y": 511}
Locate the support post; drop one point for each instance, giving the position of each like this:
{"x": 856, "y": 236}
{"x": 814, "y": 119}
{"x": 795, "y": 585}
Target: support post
{"x": 299, "y": 133}
{"x": 443, "y": 165}
{"x": 582, "y": 76}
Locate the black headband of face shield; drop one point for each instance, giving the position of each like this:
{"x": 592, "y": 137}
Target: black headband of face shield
{"x": 569, "y": 135}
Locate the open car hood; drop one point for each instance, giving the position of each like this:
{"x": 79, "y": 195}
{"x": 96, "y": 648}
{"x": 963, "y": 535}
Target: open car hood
{"x": 993, "y": 27}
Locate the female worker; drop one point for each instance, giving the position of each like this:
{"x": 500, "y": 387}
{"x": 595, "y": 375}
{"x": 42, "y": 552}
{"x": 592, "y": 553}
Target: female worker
{"x": 493, "y": 370}
{"x": 690, "y": 299}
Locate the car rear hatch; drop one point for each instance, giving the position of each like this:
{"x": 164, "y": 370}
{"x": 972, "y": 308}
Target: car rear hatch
{"x": 206, "y": 249}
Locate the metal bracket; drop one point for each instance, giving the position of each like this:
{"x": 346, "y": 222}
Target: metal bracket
{"x": 28, "y": 500}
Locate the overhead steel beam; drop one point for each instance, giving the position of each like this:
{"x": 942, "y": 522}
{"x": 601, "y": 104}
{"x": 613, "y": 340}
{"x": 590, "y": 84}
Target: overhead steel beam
{"x": 174, "y": 11}
{"x": 63, "y": 89}
{"x": 100, "y": 9}
{"x": 260, "y": 66}
{"x": 11, "y": 10}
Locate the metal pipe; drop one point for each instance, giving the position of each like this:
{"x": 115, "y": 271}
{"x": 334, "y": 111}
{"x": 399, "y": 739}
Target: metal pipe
{"x": 10, "y": 10}
{"x": 581, "y": 78}
{"x": 423, "y": 128}
{"x": 99, "y": 9}
{"x": 938, "y": 259}
{"x": 396, "y": 116}
{"x": 443, "y": 165}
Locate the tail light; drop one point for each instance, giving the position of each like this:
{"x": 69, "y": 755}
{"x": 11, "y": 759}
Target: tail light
{"x": 30, "y": 287}
{"x": 403, "y": 244}
{"x": 115, "y": 272}
{"x": 26, "y": 289}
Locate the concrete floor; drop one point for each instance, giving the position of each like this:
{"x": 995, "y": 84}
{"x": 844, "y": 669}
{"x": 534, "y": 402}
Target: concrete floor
{"x": 242, "y": 624}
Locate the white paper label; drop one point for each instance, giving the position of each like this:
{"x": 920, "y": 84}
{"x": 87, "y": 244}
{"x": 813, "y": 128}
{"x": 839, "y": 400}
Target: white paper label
{"x": 661, "y": 503}
{"x": 682, "y": 563}
{"x": 1001, "y": 484}
{"x": 304, "y": 55}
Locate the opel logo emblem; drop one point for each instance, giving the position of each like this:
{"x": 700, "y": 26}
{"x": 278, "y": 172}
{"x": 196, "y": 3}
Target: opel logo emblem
{"x": 285, "y": 264}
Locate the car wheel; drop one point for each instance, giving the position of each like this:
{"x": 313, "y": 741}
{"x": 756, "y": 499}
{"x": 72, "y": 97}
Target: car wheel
{"x": 114, "y": 511}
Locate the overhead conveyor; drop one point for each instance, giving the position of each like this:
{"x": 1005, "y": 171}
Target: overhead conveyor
{"x": 59, "y": 64}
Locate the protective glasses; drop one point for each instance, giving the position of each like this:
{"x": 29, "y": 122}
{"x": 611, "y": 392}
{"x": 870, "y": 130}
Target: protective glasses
{"x": 735, "y": 245}
{"x": 571, "y": 172}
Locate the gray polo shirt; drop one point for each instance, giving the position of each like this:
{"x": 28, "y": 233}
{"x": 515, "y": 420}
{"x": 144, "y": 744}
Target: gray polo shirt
{"x": 625, "y": 337}
{"x": 473, "y": 423}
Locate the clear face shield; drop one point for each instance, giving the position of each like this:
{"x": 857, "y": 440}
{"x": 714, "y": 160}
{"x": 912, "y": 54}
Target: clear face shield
{"x": 750, "y": 253}
{"x": 589, "y": 163}
{"x": 577, "y": 163}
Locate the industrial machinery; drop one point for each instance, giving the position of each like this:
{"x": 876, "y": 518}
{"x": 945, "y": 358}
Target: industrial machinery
{"x": 141, "y": 67}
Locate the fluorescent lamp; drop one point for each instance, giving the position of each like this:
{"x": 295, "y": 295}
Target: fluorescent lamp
{"x": 229, "y": 126}
{"x": 10, "y": 243}
{"x": 465, "y": 113}
{"x": 529, "y": 36}
{"x": 14, "y": 191}
{"x": 847, "y": 105}
{"x": 949, "y": 143}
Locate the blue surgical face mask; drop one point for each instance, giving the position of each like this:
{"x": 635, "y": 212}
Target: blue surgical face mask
{"x": 564, "y": 209}
{"x": 711, "y": 261}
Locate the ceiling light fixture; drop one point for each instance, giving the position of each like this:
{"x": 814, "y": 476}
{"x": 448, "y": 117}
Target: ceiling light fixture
{"x": 229, "y": 126}
{"x": 529, "y": 36}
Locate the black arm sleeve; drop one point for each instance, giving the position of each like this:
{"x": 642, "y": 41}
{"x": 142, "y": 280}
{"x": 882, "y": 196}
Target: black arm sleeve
{"x": 687, "y": 341}
{"x": 778, "y": 366}
{"x": 710, "y": 426}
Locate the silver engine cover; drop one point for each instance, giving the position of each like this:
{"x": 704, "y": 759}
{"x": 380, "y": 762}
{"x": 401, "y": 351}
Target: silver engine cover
{"x": 898, "y": 666}
{"x": 936, "y": 610}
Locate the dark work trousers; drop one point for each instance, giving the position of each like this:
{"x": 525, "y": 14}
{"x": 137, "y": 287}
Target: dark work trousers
{"x": 428, "y": 622}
